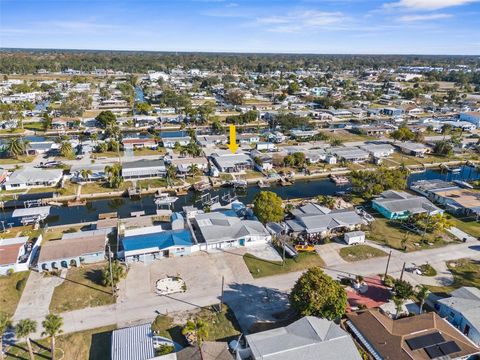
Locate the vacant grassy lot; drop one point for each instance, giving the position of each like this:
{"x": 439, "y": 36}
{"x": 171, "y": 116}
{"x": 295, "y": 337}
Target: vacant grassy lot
{"x": 466, "y": 272}
{"x": 221, "y": 325}
{"x": 394, "y": 235}
{"x": 11, "y": 288}
{"x": 259, "y": 267}
{"x": 34, "y": 126}
{"x": 360, "y": 252}
{"x": 90, "y": 344}
{"x": 93, "y": 188}
{"x": 468, "y": 225}
{"x": 146, "y": 151}
{"x": 346, "y": 136}
{"x": 20, "y": 160}
{"x": 82, "y": 288}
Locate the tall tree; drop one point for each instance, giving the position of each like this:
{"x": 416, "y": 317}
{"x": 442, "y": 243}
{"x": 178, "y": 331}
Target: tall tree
{"x": 199, "y": 328}
{"x": 317, "y": 294}
{"x": 15, "y": 147}
{"x": 117, "y": 274}
{"x": 85, "y": 174}
{"x": 52, "y": 326}
{"x": 114, "y": 175}
{"x": 422, "y": 295}
{"x": 106, "y": 118}
{"x": 267, "y": 206}
{"x": 23, "y": 330}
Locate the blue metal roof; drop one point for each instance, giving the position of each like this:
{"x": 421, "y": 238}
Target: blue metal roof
{"x": 162, "y": 240}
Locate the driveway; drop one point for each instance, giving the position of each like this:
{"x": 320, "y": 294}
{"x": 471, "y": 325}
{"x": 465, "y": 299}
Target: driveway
{"x": 36, "y": 297}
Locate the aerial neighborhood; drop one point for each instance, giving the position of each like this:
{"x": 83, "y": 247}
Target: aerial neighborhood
{"x": 249, "y": 207}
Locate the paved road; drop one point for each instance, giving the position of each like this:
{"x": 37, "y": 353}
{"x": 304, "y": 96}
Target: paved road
{"x": 247, "y": 295}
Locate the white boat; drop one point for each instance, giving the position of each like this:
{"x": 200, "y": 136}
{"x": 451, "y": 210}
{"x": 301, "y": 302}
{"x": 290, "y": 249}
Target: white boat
{"x": 164, "y": 199}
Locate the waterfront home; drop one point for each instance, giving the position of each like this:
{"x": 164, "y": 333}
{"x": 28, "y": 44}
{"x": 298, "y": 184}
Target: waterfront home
{"x": 144, "y": 121}
{"x": 455, "y": 199}
{"x": 211, "y": 140}
{"x": 265, "y": 146}
{"x": 349, "y": 153}
{"x": 32, "y": 177}
{"x": 41, "y": 147}
{"x": 142, "y": 169}
{"x": 150, "y": 243}
{"x": 218, "y": 230}
{"x": 420, "y": 337}
{"x": 15, "y": 254}
{"x": 97, "y": 172}
{"x": 73, "y": 249}
{"x": 139, "y": 143}
{"x": 232, "y": 163}
{"x": 183, "y": 165}
{"x": 248, "y": 138}
{"x": 462, "y": 310}
{"x": 317, "y": 221}
{"x": 413, "y": 148}
{"x": 207, "y": 350}
{"x": 133, "y": 343}
{"x": 310, "y": 338}
{"x": 299, "y": 134}
{"x": 263, "y": 162}
{"x": 63, "y": 123}
{"x": 401, "y": 205}
{"x": 378, "y": 150}
{"x": 169, "y": 142}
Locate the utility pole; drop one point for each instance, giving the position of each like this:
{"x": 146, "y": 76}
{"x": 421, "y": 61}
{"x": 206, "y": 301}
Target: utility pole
{"x": 403, "y": 269}
{"x": 221, "y": 297}
{"x": 388, "y": 263}
{"x": 111, "y": 273}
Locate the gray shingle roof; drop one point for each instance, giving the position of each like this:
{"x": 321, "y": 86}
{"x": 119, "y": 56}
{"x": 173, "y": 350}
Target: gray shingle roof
{"x": 324, "y": 222}
{"x": 400, "y": 201}
{"x": 309, "y": 338}
{"x": 465, "y": 300}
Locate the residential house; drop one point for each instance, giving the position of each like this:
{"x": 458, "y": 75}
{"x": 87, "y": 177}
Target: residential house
{"x": 169, "y": 142}
{"x": 420, "y": 337}
{"x": 232, "y": 163}
{"x": 216, "y": 230}
{"x": 455, "y": 199}
{"x": 63, "y": 123}
{"x": 312, "y": 220}
{"x": 141, "y": 169}
{"x": 208, "y": 141}
{"x": 394, "y": 112}
{"x": 266, "y": 146}
{"x": 41, "y": 147}
{"x": 150, "y": 243}
{"x": 139, "y": 143}
{"x": 413, "y": 148}
{"x": 73, "y": 249}
{"x": 263, "y": 162}
{"x": 183, "y": 165}
{"x": 462, "y": 310}
{"x": 97, "y": 172}
{"x": 248, "y": 138}
{"x": 309, "y": 338}
{"x": 277, "y": 137}
{"x": 378, "y": 150}
{"x": 15, "y": 254}
{"x": 32, "y": 177}
{"x": 349, "y": 153}
{"x": 207, "y": 350}
{"x": 401, "y": 205}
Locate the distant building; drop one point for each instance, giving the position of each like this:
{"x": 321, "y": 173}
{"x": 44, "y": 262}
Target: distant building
{"x": 472, "y": 117}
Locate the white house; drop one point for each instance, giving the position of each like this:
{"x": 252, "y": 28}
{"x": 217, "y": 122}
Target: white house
{"x": 30, "y": 177}
{"x": 16, "y": 254}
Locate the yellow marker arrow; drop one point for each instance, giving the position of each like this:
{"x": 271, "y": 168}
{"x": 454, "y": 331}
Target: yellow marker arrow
{"x": 233, "y": 139}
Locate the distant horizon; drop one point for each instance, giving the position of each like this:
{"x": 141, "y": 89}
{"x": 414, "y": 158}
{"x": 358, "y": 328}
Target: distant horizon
{"x": 230, "y": 52}
{"x": 375, "y": 27}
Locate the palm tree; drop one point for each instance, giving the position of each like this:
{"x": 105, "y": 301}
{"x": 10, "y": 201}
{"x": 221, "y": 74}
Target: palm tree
{"x": 118, "y": 273}
{"x": 422, "y": 295}
{"x": 114, "y": 175}
{"x": 5, "y": 323}
{"x": 66, "y": 149}
{"x": 198, "y": 327}
{"x": 171, "y": 173}
{"x": 53, "y": 326}
{"x": 328, "y": 201}
{"x": 23, "y": 330}
{"x": 194, "y": 170}
{"x": 85, "y": 174}
{"x": 15, "y": 147}
{"x": 398, "y": 301}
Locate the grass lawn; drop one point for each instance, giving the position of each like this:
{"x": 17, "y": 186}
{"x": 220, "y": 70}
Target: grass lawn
{"x": 392, "y": 234}
{"x": 11, "y": 288}
{"x": 35, "y": 126}
{"x": 146, "y": 151}
{"x": 20, "y": 160}
{"x": 221, "y": 325}
{"x": 107, "y": 154}
{"x": 346, "y": 136}
{"x": 154, "y": 183}
{"x": 427, "y": 270}
{"x": 92, "y": 344}
{"x": 468, "y": 225}
{"x": 260, "y": 268}
{"x": 92, "y": 188}
{"x": 56, "y": 233}
{"x": 360, "y": 252}
{"x": 12, "y": 131}
{"x": 81, "y": 289}
{"x": 466, "y": 272}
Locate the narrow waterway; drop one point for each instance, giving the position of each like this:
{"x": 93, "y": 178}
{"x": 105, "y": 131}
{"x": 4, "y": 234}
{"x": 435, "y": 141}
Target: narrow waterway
{"x": 301, "y": 189}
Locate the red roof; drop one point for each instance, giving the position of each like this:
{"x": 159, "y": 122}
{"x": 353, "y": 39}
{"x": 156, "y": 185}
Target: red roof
{"x": 9, "y": 253}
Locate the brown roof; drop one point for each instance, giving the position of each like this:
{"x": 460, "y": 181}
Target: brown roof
{"x": 9, "y": 253}
{"x": 388, "y": 337}
{"x": 68, "y": 248}
{"x": 210, "y": 351}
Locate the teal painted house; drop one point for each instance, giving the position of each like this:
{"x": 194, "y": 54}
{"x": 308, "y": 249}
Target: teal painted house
{"x": 401, "y": 205}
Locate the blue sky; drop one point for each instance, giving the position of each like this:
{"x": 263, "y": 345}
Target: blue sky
{"x": 289, "y": 26}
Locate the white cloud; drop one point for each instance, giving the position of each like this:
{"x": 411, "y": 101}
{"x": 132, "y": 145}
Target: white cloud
{"x": 428, "y": 4}
{"x": 301, "y": 20}
{"x": 427, "y": 17}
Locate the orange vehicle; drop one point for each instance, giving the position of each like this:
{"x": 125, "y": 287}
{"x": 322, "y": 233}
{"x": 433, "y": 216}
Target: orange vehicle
{"x": 305, "y": 247}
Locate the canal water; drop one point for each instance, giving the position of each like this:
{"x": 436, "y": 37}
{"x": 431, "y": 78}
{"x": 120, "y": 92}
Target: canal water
{"x": 300, "y": 189}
